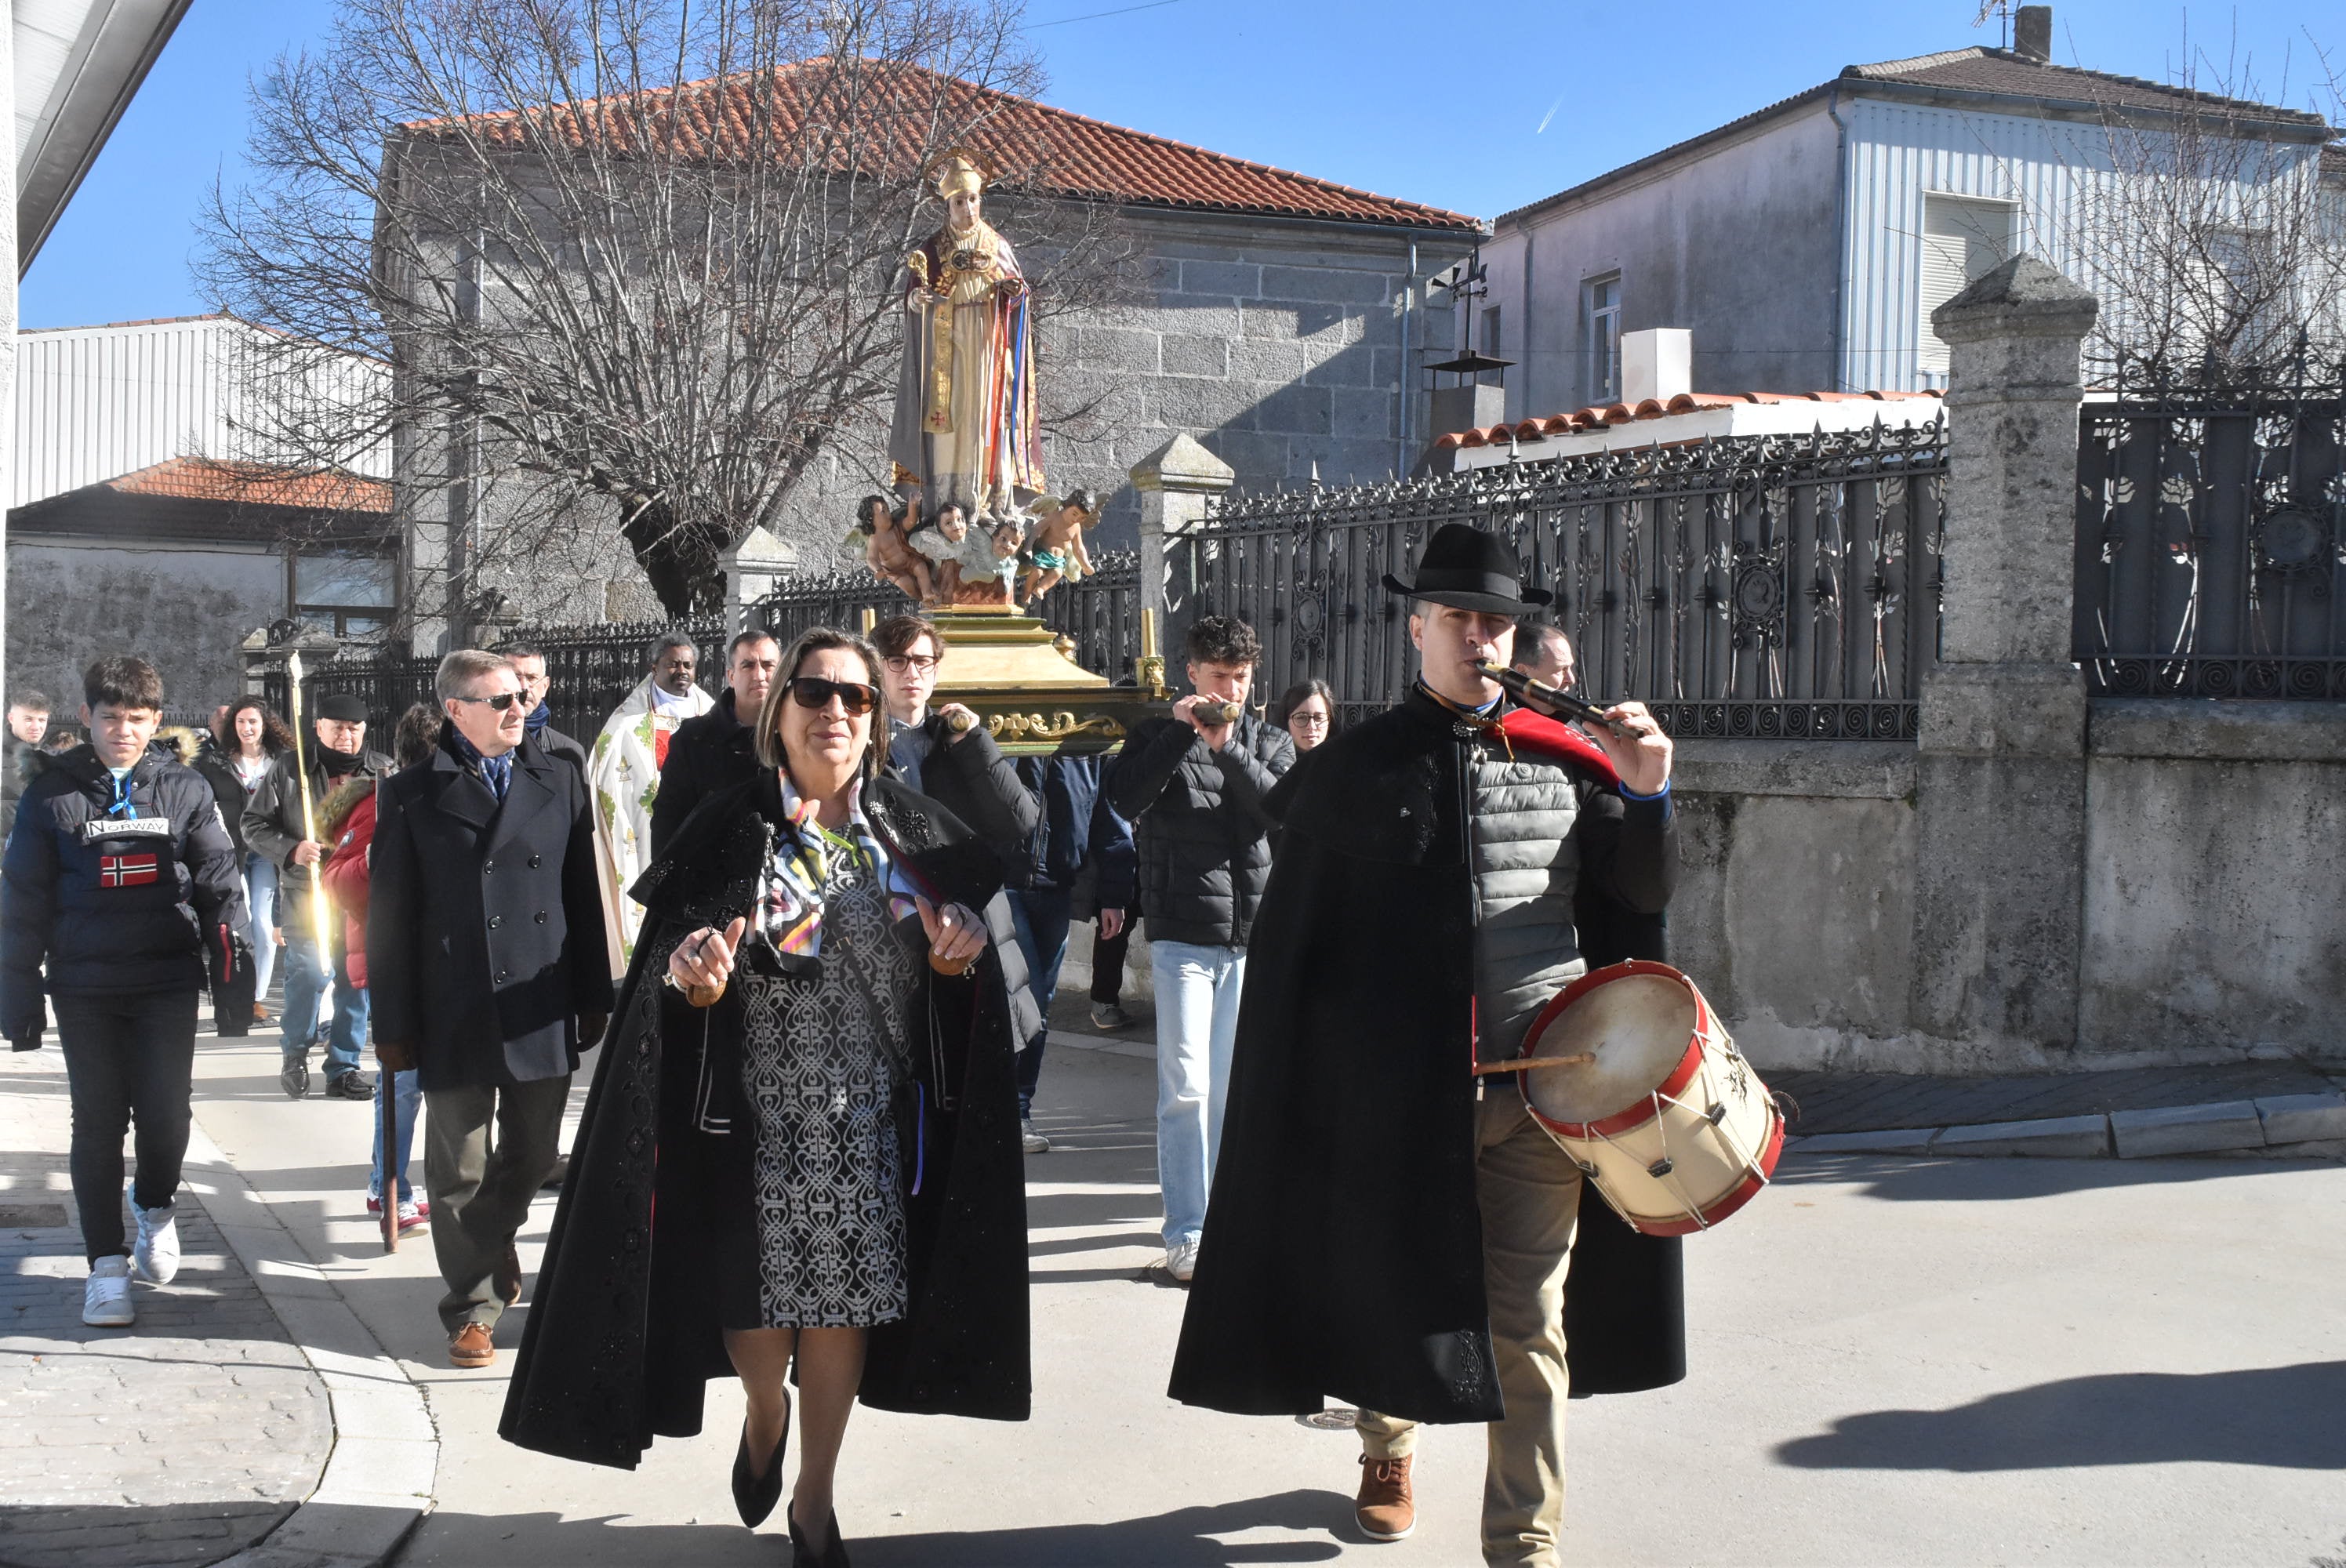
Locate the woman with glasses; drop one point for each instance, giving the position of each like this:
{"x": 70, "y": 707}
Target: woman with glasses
{"x": 246, "y": 738}
{"x": 1307, "y": 710}
{"x": 802, "y": 1145}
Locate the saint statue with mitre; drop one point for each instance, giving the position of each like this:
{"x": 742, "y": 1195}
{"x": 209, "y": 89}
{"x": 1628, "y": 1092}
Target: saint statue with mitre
{"x": 965, "y": 426}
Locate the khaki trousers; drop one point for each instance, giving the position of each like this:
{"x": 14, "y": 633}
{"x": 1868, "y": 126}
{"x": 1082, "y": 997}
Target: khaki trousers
{"x": 482, "y": 1186}
{"x": 1528, "y": 1191}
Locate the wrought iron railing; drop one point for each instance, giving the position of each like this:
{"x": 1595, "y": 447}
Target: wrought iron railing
{"x": 1760, "y": 587}
{"x": 836, "y": 598}
{"x": 2212, "y": 534}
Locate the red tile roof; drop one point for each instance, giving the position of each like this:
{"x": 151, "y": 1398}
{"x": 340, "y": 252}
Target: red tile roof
{"x": 256, "y": 484}
{"x": 1035, "y": 147}
{"x": 1597, "y": 416}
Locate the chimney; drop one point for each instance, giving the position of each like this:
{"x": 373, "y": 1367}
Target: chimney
{"x": 1655, "y": 363}
{"x": 2032, "y": 32}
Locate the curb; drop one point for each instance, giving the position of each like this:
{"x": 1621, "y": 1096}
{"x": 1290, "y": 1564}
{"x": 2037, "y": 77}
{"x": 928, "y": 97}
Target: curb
{"x": 379, "y": 1475}
{"x": 2280, "y": 1126}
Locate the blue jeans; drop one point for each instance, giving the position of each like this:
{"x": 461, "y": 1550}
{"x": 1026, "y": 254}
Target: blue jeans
{"x": 1197, "y": 1024}
{"x": 261, "y": 901}
{"x": 410, "y": 1101}
{"x": 1041, "y": 916}
{"x": 305, "y": 982}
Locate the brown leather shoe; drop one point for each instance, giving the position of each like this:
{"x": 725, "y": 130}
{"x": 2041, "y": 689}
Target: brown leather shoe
{"x": 1384, "y": 1511}
{"x": 470, "y": 1347}
{"x": 260, "y": 1014}
{"x": 508, "y": 1277}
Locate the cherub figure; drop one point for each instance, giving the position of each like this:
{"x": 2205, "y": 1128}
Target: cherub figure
{"x": 942, "y": 540}
{"x": 1057, "y": 550}
{"x": 887, "y": 550}
{"x": 1007, "y": 538}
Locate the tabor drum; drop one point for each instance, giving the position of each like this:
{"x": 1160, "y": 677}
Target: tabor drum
{"x": 1629, "y": 1071}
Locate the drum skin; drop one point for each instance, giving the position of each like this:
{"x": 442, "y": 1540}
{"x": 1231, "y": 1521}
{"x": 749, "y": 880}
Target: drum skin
{"x": 1669, "y": 1121}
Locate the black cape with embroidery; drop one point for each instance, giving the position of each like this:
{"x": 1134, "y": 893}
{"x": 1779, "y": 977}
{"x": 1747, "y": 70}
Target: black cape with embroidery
{"x": 1343, "y": 1253}
{"x": 625, "y": 1329}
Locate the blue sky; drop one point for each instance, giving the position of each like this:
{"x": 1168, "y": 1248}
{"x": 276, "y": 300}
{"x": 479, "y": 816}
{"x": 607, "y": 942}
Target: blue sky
{"x": 1389, "y": 96}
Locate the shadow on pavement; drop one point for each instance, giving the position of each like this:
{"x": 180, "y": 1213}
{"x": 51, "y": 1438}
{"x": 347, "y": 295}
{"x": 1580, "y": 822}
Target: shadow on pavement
{"x": 159, "y": 1535}
{"x": 1184, "y": 1538}
{"x": 1974, "y": 1179}
{"x": 2291, "y": 1418}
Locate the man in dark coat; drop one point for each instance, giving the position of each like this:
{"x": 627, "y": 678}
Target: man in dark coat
{"x": 1383, "y": 1230}
{"x": 627, "y": 1330}
{"x": 486, "y": 953}
{"x": 718, "y": 749}
{"x": 1193, "y": 788}
{"x": 528, "y": 661}
{"x": 120, "y": 884}
{"x": 334, "y": 753}
{"x": 20, "y": 752}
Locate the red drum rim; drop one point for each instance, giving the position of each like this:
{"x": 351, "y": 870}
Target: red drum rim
{"x": 1744, "y": 1192}
{"x": 1643, "y": 1109}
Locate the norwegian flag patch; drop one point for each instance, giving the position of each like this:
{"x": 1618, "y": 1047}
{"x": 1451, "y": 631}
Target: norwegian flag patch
{"x": 128, "y": 870}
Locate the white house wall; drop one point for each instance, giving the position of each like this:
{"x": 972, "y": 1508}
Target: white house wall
{"x": 97, "y": 402}
{"x": 1734, "y": 243}
{"x": 1900, "y": 152}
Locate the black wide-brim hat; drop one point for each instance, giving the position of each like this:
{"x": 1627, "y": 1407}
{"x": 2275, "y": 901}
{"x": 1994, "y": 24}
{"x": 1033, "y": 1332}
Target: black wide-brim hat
{"x": 1467, "y": 570}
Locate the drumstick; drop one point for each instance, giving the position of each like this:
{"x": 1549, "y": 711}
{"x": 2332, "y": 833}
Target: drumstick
{"x": 1520, "y": 1063}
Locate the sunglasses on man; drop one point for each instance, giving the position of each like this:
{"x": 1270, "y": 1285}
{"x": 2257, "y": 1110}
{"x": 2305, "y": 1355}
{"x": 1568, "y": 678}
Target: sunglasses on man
{"x": 502, "y": 701}
{"x": 815, "y": 692}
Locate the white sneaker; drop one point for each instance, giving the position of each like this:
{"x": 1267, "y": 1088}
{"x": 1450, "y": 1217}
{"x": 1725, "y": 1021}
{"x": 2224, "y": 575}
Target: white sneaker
{"x": 1181, "y": 1261}
{"x": 106, "y": 1300}
{"x": 1033, "y": 1142}
{"x": 156, "y": 1252}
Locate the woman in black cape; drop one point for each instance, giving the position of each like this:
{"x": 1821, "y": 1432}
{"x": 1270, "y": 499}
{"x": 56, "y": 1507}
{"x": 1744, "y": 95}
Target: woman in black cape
{"x": 802, "y": 1142}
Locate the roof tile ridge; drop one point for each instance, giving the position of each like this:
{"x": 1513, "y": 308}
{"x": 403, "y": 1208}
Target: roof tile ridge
{"x": 1916, "y": 62}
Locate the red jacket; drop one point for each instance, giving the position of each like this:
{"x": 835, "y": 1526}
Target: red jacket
{"x": 346, "y": 882}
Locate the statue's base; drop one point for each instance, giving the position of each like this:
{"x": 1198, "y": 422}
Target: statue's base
{"x": 1021, "y": 678}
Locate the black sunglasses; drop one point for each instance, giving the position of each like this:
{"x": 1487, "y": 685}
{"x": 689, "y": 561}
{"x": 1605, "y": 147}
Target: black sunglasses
{"x": 814, "y": 691}
{"x": 502, "y": 701}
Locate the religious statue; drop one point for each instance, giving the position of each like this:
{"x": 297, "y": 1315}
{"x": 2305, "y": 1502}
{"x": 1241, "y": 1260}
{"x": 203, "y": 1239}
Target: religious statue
{"x": 881, "y": 533}
{"x": 1056, "y": 551}
{"x": 964, "y": 427}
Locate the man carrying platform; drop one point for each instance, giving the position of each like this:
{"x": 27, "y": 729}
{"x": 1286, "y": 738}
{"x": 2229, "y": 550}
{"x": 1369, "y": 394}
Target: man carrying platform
{"x": 1386, "y": 1227}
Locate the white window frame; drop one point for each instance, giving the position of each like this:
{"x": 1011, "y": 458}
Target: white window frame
{"x": 1931, "y": 356}
{"x": 1602, "y": 324}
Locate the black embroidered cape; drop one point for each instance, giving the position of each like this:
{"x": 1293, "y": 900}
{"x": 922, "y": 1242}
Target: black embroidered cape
{"x": 624, "y": 1332}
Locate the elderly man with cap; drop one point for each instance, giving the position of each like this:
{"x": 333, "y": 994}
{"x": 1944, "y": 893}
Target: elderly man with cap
{"x": 1387, "y": 1228}
{"x": 333, "y": 754}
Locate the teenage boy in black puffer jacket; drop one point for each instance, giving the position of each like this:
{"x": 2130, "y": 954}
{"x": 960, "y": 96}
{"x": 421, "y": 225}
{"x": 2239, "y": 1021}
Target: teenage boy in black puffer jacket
{"x": 121, "y": 879}
{"x": 1193, "y": 792}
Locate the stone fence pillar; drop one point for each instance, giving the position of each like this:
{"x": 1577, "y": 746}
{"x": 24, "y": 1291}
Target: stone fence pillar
{"x": 1175, "y": 482}
{"x": 753, "y": 568}
{"x": 2001, "y": 765}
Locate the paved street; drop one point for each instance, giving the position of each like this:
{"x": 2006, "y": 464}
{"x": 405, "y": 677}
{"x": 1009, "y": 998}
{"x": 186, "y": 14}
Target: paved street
{"x": 1929, "y": 1362}
{"x": 173, "y": 1443}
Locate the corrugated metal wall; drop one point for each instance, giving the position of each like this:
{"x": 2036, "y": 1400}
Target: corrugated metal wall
{"x": 1898, "y": 153}
{"x": 94, "y": 404}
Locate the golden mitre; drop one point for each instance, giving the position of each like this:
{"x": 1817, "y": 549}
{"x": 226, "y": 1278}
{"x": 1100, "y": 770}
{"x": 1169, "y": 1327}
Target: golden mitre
{"x": 956, "y": 170}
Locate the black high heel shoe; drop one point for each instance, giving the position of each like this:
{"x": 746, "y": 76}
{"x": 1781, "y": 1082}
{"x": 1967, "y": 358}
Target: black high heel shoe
{"x": 803, "y": 1551}
{"x": 754, "y": 1497}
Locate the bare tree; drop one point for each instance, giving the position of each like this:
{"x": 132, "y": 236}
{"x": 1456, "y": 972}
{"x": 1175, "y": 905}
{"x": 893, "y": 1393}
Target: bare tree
{"x": 638, "y": 254}
{"x": 2208, "y": 230}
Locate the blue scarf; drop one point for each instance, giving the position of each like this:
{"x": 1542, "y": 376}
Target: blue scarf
{"x": 539, "y": 718}
{"x": 496, "y": 772}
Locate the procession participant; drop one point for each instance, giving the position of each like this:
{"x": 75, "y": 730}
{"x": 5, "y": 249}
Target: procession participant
{"x": 1383, "y": 1231}
{"x": 1544, "y": 653}
{"x": 28, "y": 722}
{"x": 801, "y": 1145}
{"x": 1193, "y": 788}
{"x": 964, "y": 427}
{"x": 717, "y": 750}
{"x": 625, "y": 770}
{"x": 1307, "y": 711}
{"x": 245, "y": 740}
{"x": 120, "y": 883}
{"x": 349, "y": 878}
{"x": 335, "y": 750}
{"x": 484, "y": 945}
{"x": 528, "y": 661}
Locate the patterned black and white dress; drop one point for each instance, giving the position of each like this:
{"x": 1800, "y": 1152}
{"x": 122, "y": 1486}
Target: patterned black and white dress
{"x": 821, "y": 1058}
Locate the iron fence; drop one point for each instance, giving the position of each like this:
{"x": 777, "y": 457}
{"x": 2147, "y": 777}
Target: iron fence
{"x": 2212, "y": 534}
{"x": 1760, "y": 587}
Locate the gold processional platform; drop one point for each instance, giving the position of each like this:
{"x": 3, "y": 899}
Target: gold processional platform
{"x": 1023, "y": 682}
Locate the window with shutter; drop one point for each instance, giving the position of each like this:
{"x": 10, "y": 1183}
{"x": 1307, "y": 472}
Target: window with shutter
{"x": 1963, "y": 238}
